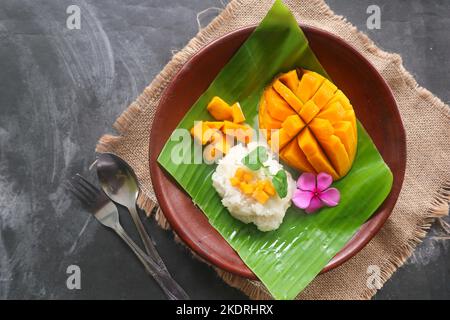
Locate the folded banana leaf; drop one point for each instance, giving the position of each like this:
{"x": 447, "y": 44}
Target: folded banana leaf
{"x": 285, "y": 260}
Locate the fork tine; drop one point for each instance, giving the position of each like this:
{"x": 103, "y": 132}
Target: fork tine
{"x": 85, "y": 200}
{"x": 81, "y": 188}
{"x": 88, "y": 185}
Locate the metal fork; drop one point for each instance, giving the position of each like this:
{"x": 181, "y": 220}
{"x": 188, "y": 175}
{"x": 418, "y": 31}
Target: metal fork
{"x": 105, "y": 211}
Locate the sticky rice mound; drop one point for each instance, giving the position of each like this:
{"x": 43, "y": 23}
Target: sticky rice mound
{"x": 267, "y": 216}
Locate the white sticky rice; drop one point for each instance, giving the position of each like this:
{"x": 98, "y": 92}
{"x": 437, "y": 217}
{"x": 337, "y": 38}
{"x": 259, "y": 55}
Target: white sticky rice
{"x": 266, "y": 217}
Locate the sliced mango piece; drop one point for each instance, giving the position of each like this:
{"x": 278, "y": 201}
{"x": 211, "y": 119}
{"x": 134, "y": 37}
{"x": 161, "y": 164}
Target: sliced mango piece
{"x": 266, "y": 122}
{"x": 290, "y": 80}
{"x": 344, "y": 131}
{"x": 247, "y": 177}
{"x": 202, "y": 133}
{"x": 294, "y": 157}
{"x": 216, "y": 136}
{"x": 333, "y": 112}
{"x": 237, "y": 114}
{"x": 309, "y": 111}
{"x": 279, "y": 139}
{"x": 308, "y": 85}
{"x": 268, "y": 188}
{"x": 222, "y": 145}
{"x": 276, "y": 106}
{"x": 214, "y": 124}
{"x": 337, "y": 154}
{"x": 260, "y": 184}
{"x": 349, "y": 115}
{"x": 321, "y": 128}
{"x": 219, "y": 109}
{"x": 270, "y": 124}
{"x": 247, "y": 188}
{"x": 241, "y": 132}
{"x": 197, "y": 133}
{"x": 262, "y": 113}
{"x": 228, "y": 125}
{"x": 235, "y": 182}
{"x": 314, "y": 153}
{"x": 292, "y": 125}
{"x": 342, "y": 98}
{"x": 324, "y": 94}
{"x": 240, "y": 173}
{"x": 211, "y": 154}
{"x": 260, "y": 196}
{"x": 288, "y": 95}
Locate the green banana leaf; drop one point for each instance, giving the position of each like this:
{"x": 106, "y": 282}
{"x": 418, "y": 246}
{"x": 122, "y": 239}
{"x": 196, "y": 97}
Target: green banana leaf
{"x": 285, "y": 260}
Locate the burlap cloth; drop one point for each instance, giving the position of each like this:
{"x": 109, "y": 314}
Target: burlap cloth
{"x": 426, "y": 188}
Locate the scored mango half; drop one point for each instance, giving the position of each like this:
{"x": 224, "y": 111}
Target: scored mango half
{"x": 310, "y": 123}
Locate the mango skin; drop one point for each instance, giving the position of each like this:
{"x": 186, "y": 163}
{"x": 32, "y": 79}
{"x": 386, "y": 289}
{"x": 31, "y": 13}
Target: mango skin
{"x": 324, "y": 136}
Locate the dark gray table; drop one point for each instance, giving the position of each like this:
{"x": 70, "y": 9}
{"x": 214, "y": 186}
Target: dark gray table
{"x": 61, "y": 89}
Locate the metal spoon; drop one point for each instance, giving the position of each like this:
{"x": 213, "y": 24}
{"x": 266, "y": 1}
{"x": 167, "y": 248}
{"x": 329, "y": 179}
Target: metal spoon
{"x": 120, "y": 184}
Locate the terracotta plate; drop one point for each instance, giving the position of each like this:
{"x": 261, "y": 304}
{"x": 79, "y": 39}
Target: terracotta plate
{"x": 370, "y": 95}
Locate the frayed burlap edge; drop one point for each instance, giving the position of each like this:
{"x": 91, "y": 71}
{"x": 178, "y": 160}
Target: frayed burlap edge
{"x": 151, "y": 95}
{"x": 438, "y": 209}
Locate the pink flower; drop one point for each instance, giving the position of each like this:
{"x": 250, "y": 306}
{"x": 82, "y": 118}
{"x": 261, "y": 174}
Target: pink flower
{"x": 313, "y": 194}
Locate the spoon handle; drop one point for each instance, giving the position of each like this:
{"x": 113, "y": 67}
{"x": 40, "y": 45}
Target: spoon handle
{"x": 162, "y": 276}
{"x": 148, "y": 243}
